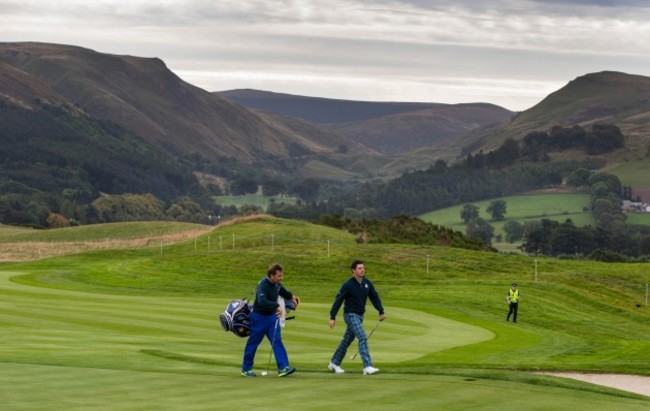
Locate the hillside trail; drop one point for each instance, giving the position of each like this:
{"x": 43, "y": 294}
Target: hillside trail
{"x": 638, "y": 384}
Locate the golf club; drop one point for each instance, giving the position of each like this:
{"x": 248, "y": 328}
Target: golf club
{"x": 275, "y": 330}
{"x": 369, "y": 335}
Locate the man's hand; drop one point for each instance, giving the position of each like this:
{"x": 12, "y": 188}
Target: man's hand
{"x": 332, "y": 323}
{"x": 382, "y": 317}
{"x": 296, "y": 301}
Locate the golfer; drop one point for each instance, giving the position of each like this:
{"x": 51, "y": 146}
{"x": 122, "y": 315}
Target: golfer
{"x": 264, "y": 321}
{"x": 512, "y": 297}
{"x": 354, "y": 292}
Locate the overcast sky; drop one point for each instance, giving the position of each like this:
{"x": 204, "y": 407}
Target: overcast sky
{"x": 508, "y": 52}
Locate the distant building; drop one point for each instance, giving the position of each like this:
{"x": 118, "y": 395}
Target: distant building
{"x": 642, "y": 194}
{"x": 635, "y": 207}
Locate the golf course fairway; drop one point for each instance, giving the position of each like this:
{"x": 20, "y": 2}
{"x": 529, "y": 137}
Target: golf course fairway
{"x": 74, "y": 350}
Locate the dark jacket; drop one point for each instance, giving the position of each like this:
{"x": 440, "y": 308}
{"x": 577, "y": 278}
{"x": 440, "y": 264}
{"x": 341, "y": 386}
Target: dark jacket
{"x": 266, "y": 296}
{"x": 355, "y": 295}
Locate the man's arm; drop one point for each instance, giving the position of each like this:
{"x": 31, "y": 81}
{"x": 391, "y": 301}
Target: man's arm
{"x": 376, "y": 302}
{"x": 338, "y": 301}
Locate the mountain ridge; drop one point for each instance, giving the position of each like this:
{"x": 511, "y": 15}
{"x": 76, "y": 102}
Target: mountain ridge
{"x": 144, "y": 96}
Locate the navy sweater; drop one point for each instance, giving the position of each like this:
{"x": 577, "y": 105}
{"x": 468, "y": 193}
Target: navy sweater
{"x": 266, "y": 296}
{"x": 355, "y": 294}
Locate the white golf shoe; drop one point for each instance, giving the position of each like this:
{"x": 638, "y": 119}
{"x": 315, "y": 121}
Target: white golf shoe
{"x": 370, "y": 370}
{"x": 335, "y": 368}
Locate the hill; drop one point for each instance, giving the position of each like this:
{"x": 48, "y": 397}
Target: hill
{"x": 406, "y": 132}
{"x": 143, "y": 96}
{"x": 320, "y": 110}
{"x": 605, "y": 97}
{"x": 387, "y": 127}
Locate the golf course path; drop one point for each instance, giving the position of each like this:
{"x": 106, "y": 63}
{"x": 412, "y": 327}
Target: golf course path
{"x": 634, "y": 383}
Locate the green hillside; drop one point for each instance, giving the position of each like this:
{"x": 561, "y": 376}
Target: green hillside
{"x": 88, "y": 331}
{"x": 520, "y": 208}
{"x": 633, "y": 173}
{"x": 96, "y": 232}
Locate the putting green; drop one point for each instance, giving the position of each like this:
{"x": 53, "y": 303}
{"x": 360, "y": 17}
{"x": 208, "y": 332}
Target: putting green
{"x": 404, "y": 335}
{"x": 53, "y": 324}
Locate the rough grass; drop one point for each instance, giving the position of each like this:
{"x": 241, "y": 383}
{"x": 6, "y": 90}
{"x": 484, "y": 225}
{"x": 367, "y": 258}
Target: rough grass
{"x": 24, "y": 244}
{"x": 633, "y": 173}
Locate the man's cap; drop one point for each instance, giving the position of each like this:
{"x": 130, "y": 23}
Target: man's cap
{"x": 514, "y": 284}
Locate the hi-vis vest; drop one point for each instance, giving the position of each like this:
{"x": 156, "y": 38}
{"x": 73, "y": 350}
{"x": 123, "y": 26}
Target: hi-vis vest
{"x": 514, "y": 295}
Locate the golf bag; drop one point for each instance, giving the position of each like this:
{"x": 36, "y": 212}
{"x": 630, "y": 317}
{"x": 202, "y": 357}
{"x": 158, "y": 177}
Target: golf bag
{"x": 236, "y": 318}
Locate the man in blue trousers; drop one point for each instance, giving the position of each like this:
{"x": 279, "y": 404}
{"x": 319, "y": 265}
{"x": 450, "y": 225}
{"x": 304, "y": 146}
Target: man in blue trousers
{"x": 264, "y": 322}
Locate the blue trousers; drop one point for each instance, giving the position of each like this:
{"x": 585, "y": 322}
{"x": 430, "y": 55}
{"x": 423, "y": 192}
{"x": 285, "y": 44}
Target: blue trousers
{"x": 354, "y": 329}
{"x": 264, "y": 325}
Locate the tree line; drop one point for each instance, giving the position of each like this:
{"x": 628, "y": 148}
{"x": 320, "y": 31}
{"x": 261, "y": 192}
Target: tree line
{"x": 611, "y": 239}
{"x": 59, "y": 169}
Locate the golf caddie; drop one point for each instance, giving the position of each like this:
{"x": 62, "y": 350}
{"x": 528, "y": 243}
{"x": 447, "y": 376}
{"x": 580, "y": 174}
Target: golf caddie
{"x": 354, "y": 293}
{"x": 265, "y": 321}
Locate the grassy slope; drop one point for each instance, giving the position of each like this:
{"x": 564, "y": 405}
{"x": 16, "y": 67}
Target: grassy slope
{"x": 97, "y": 232}
{"x": 520, "y": 208}
{"x": 146, "y": 321}
{"x": 633, "y": 173}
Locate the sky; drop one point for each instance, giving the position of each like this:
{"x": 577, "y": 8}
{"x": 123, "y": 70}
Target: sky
{"x": 512, "y": 53}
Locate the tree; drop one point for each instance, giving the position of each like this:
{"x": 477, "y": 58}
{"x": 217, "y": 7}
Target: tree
{"x": 468, "y": 212}
{"x": 497, "y": 209}
{"x": 55, "y": 220}
{"x": 514, "y": 231}
{"x": 507, "y": 154}
{"x": 307, "y": 189}
{"x": 243, "y": 185}
{"x": 250, "y": 209}
{"x": 272, "y": 186}
{"x": 186, "y": 210}
{"x": 578, "y": 177}
{"x": 128, "y": 207}
{"x": 481, "y": 229}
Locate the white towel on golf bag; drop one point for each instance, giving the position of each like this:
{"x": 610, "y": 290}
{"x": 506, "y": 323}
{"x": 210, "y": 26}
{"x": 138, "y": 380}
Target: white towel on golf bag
{"x": 283, "y": 308}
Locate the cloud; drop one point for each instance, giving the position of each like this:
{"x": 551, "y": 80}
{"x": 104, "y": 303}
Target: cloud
{"x": 509, "y": 52}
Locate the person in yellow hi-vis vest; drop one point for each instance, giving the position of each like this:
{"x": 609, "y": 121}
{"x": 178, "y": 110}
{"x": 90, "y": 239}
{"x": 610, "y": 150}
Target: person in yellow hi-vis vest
{"x": 513, "y": 297}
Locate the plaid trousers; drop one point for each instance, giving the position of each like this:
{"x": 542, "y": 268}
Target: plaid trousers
{"x": 354, "y": 329}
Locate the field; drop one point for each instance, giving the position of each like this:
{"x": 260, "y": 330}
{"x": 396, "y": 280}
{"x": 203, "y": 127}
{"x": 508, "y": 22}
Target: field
{"x": 520, "y": 208}
{"x": 633, "y": 173}
{"x": 138, "y": 328}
